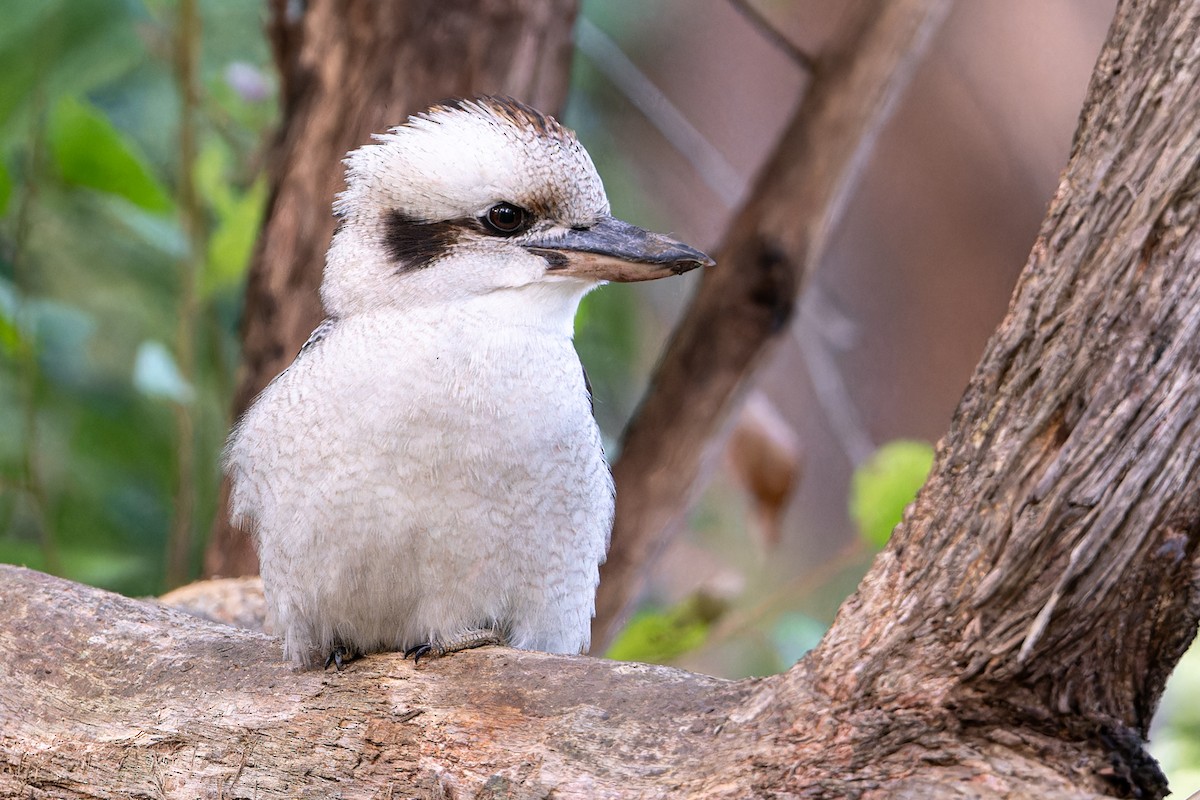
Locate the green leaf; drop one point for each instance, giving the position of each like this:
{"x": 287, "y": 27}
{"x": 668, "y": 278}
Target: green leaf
{"x": 10, "y": 337}
{"x": 233, "y": 239}
{"x": 100, "y": 567}
{"x": 91, "y": 153}
{"x": 209, "y": 173}
{"x": 22, "y": 553}
{"x": 886, "y": 483}
{"x": 5, "y": 188}
{"x": 90, "y": 565}
{"x": 10, "y": 331}
{"x": 238, "y": 216}
{"x": 661, "y": 636}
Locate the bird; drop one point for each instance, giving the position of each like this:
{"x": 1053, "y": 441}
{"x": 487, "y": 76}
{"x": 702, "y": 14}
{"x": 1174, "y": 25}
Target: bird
{"x": 427, "y": 475}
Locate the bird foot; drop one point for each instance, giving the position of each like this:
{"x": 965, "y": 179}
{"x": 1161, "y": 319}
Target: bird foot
{"x": 339, "y": 656}
{"x": 467, "y": 640}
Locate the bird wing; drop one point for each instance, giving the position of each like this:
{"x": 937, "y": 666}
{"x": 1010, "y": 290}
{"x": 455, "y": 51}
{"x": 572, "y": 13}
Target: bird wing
{"x": 320, "y": 332}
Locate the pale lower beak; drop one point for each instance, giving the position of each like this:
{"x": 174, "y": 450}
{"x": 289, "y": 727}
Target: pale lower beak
{"x": 612, "y": 250}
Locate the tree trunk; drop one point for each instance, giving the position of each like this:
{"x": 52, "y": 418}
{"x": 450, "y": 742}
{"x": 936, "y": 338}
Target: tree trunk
{"x": 350, "y": 68}
{"x": 1011, "y": 642}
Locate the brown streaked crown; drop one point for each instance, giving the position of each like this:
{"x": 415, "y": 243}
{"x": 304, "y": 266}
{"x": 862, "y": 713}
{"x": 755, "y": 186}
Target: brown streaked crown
{"x": 510, "y": 110}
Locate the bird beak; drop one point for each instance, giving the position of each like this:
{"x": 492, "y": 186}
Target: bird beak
{"x": 612, "y": 250}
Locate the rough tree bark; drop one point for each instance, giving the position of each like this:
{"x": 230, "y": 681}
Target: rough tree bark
{"x": 350, "y": 68}
{"x": 1011, "y": 642}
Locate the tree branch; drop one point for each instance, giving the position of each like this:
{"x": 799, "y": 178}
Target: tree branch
{"x": 745, "y": 303}
{"x": 105, "y": 696}
{"x": 1011, "y": 641}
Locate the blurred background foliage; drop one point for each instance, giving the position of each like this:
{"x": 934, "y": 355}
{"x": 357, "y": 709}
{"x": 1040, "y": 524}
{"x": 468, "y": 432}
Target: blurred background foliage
{"x": 94, "y": 262}
{"x": 120, "y": 297}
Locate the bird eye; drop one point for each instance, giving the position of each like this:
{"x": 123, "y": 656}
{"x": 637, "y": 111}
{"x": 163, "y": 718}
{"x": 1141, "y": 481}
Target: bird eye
{"x": 506, "y": 219}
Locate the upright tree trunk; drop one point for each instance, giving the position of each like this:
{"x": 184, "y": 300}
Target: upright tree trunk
{"x": 1047, "y": 579}
{"x": 350, "y": 68}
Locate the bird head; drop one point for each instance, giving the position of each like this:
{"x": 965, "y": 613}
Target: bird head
{"x": 480, "y": 198}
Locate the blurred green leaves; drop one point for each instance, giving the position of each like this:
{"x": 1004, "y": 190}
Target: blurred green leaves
{"x": 237, "y": 215}
{"x": 659, "y": 636}
{"x": 1175, "y": 736}
{"x": 11, "y": 335}
{"x": 98, "y": 566}
{"x": 89, "y": 152}
{"x": 55, "y": 48}
{"x": 91, "y": 273}
{"x": 885, "y": 484}
{"x": 5, "y": 188}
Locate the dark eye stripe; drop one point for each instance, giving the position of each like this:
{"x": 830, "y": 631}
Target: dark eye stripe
{"x": 415, "y": 244}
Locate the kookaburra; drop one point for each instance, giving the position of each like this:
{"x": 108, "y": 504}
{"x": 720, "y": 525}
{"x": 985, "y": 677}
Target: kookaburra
{"x": 427, "y": 476}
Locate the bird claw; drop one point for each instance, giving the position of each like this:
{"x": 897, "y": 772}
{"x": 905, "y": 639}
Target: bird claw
{"x": 339, "y": 656}
{"x": 417, "y": 652}
{"x": 468, "y": 640}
